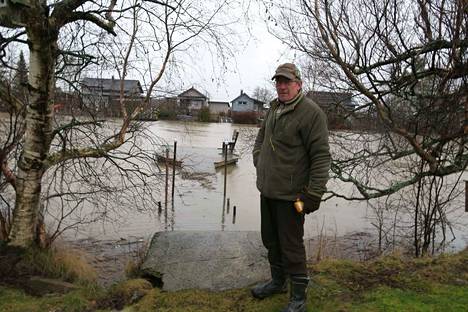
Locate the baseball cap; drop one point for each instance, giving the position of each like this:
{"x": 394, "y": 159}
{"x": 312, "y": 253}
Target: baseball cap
{"x": 288, "y": 70}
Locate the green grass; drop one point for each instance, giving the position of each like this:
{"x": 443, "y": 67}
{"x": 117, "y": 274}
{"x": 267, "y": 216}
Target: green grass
{"x": 386, "y": 284}
{"x": 441, "y": 298}
{"x": 15, "y": 300}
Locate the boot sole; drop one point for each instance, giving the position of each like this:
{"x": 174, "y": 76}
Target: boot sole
{"x": 260, "y": 297}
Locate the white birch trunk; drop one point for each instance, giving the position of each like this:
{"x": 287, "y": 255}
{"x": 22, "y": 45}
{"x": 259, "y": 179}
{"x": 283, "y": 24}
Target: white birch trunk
{"x": 43, "y": 47}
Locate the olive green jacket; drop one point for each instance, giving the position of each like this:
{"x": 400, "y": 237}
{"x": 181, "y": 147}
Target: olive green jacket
{"x": 291, "y": 152}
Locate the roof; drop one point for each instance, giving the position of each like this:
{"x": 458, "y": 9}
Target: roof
{"x": 192, "y": 93}
{"x": 326, "y": 99}
{"x": 245, "y": 95}
{"x": 113, "y": 85}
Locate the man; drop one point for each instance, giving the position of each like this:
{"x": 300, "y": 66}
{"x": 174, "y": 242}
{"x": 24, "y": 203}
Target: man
{"x": 292, "y": 158}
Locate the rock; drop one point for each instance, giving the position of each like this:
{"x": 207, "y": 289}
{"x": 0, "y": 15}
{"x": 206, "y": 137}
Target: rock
{"x": 460, "y": 282}
{"x": 210, "y": 260}
{"x": 41, "y": 286}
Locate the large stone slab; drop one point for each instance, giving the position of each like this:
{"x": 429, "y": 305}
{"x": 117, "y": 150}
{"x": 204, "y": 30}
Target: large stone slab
{"x": 212, "y": 260}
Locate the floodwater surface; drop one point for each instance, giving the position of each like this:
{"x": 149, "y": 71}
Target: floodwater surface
{"x": 199, "y": 201}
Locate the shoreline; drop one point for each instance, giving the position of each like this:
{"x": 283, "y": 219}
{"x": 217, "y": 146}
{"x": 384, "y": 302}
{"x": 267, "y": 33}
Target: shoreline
{"x": 111, "y": 258}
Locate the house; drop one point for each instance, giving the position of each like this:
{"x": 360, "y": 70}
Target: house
{"x": 330, "y": 100}
{"x": 336, "y": 105}
{"x": 245, "y": 109}
{"x": 190, "y": 102}
{"x": 218, "y": 109}
{"x": 103, "y": 95}
{"x": 244, "y": 103}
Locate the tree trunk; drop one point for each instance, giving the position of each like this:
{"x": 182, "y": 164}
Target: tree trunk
{"x": 3, "y": 228}
{"x": 43, "y": 46}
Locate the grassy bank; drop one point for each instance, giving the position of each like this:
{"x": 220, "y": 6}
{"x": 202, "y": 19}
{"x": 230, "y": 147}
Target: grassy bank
{"x": 386, "y": 284}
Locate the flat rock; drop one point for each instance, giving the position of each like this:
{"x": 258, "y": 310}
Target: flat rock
{"x": 41, "y": 286}
{"x": 211, "y": 260}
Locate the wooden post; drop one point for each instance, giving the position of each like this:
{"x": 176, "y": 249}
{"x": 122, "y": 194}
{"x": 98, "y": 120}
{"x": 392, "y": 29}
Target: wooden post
{"x": 167, "y": 176}
{"x": 225, "y": 168}
{"x": 466, "y": 196}
{"x": 173, "y": 170}
{"x": 234, "y": 210}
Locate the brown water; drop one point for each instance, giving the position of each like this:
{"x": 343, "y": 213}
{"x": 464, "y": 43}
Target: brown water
{"x": 198, "y": 203}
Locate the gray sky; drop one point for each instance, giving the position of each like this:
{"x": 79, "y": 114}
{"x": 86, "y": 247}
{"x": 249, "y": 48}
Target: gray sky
{"x": 253, "y": 66}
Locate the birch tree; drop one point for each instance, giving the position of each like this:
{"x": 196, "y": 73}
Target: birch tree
{"x": 64, "y": 39}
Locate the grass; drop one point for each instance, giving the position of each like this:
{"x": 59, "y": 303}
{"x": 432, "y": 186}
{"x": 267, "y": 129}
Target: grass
{"x": 385, "y": 284}
{"x": 16, "y": 300}
{"x": 67, "y": 264}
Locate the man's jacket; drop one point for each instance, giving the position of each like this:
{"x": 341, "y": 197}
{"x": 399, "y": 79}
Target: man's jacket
{"x": 291, "y": 152}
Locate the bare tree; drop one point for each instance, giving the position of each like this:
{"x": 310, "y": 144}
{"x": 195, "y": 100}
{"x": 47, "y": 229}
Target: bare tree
{"x": 74, "y": 166}
{"x": 406, "y": 63}
{"x": 263, "y": 94}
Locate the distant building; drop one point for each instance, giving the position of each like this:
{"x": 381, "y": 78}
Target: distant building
{"x": 218, "y": 109}
{"x": 190, "y": 102}
{"x": 336, "y": 105}
{"x": 244, "y": 103}
{"x": 245, "y": 109}
{"x": 331, "y": 100}
{"x": 103, "y": 95}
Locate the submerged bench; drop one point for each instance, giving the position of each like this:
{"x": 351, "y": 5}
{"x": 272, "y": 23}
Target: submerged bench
{"x": 212, "y": 260}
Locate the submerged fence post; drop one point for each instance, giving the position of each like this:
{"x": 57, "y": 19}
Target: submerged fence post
{"x": 466, "y": 196}
{"x": 173, "y": 170}
{"x": 167, "y": 176}
{"x": 234, "y": 211}
{"x": 225, "y": 168}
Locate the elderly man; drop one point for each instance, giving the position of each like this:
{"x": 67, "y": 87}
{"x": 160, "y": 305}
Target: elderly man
{"x": 292, "y": 159}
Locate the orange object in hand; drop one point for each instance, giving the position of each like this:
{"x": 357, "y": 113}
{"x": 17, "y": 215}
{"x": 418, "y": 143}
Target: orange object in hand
{"x": 299, "y": 205}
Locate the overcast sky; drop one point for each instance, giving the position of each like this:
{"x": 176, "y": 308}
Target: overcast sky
{"x": 253, "y": 66}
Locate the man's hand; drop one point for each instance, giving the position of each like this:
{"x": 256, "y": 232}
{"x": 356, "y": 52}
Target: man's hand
{"x": 311, "y": 203}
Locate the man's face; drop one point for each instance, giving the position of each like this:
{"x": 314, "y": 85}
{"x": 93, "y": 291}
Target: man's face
{"x": 286, "y": 88}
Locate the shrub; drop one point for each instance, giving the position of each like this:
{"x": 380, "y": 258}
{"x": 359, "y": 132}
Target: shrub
{"x": 204, "y": 114}
{"x": 244, "y": 117}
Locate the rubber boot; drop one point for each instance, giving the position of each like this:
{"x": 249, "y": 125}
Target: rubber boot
{"x": 298, "y": 294}
{"x": 277, "y": 284}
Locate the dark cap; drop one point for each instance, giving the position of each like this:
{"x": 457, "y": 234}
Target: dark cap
{"x": 288, "y": 70}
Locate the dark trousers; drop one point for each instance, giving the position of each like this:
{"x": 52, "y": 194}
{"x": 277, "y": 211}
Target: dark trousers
{"x": 283, "y": 235}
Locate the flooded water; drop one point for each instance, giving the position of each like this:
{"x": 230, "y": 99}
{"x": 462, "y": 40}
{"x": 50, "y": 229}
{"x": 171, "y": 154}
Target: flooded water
{"x": 198, "y": 203}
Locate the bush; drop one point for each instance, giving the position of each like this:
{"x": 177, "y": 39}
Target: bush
{"x": 204, "y": 114}
{"x": 244, "y": 117}
{"x": 125, "y": 293}
{"x": 167, "y": 114}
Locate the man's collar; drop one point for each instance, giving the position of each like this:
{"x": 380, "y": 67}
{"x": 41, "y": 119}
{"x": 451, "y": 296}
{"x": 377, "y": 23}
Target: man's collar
{"x": 295, "y": 99}
{"x": 289, "y": 105}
